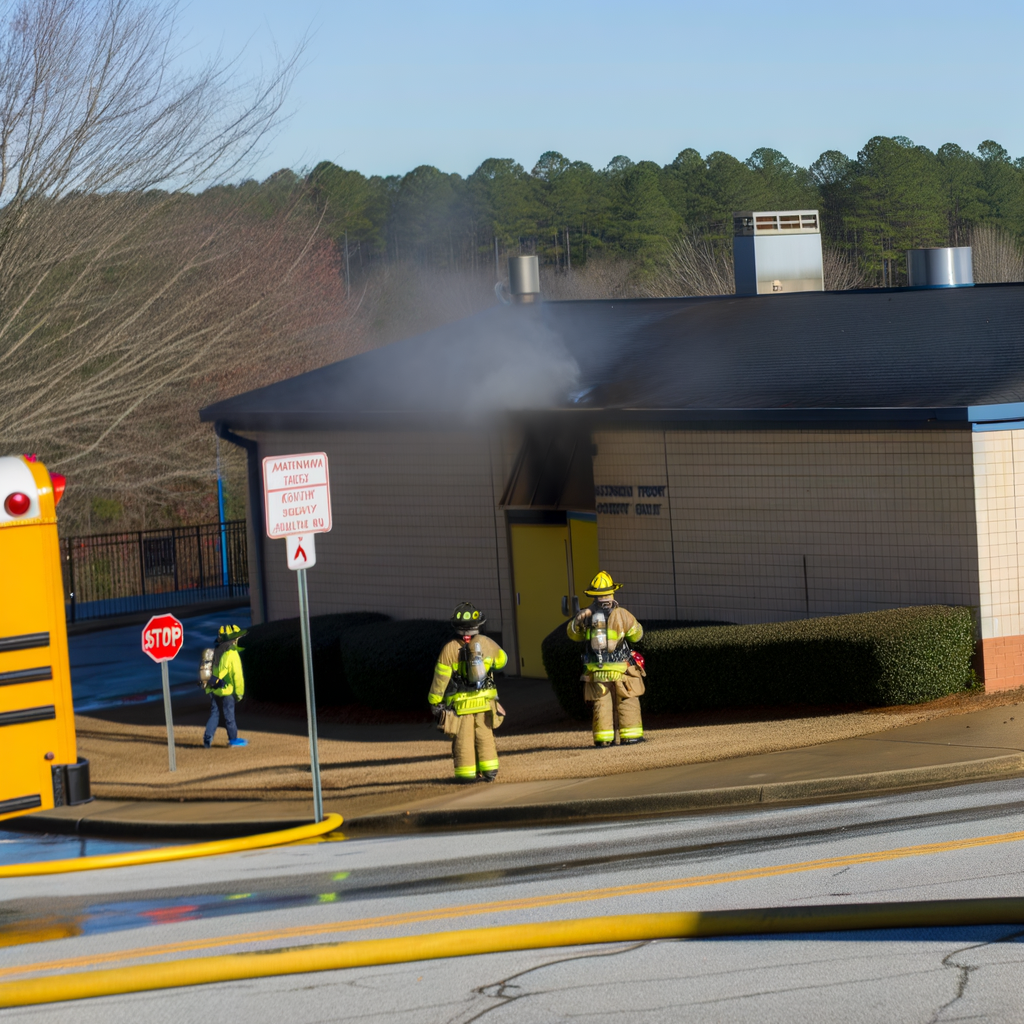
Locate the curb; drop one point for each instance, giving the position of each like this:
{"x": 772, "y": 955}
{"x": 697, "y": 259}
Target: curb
{"x": 114, "y": 828}
{"x": 562, "y": 811}
{"x": 697, "y": 799}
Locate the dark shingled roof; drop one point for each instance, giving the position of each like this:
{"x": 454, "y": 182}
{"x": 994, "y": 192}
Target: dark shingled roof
{"x": 888, "y": 355}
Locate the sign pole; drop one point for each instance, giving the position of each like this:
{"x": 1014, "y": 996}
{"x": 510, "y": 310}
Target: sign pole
{"x": 168, "y": 718}
{"x": 162, "y": 638}
{"x": 307, "y": 667}
{"x": 297, "y": 506}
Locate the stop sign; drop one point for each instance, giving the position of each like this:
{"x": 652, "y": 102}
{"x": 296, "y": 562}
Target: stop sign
{"x": 162, "y": 637}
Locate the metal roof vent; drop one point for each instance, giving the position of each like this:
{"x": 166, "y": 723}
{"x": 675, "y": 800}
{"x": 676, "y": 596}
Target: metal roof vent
{"x": 777, "y": 252}
{"x": 949, "y": 267}
{"x": 524, "y": 278}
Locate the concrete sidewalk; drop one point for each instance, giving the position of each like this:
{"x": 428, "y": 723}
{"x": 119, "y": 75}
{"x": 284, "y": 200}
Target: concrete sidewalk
{"x": 983, "y": 744}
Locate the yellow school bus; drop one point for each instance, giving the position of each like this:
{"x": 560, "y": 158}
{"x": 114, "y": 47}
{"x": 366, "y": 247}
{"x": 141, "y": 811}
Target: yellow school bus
{"x": 39, "y": 763}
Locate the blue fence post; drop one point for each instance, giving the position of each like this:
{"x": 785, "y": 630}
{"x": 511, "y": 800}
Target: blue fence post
{"x": 223, "y": 533}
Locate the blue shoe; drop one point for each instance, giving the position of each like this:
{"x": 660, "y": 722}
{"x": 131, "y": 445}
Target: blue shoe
{"x": 238, "y": 743}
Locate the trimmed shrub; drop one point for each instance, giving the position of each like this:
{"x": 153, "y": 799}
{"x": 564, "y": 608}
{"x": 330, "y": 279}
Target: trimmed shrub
{"x": 899, "y": 656}
{"x": 272, "y": 658}
{"x": 563, "y": 661}
{"x": 389, "y": 665}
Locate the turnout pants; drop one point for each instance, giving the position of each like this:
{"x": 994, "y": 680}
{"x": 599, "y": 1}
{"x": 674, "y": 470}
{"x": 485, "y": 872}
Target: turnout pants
{"x": 628, "y": 711}
{"x": 473, "y": 748}
{"x": 222, "y": 711}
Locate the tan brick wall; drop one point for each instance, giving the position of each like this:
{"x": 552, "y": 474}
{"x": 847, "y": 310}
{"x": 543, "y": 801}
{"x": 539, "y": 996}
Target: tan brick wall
{"x": 999, "y": 502}
{"x": 416, "y": 525}
{"x": 883, "y": 518}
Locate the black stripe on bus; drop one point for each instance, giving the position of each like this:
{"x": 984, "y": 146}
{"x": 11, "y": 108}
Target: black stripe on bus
{"x": 26, "y": 675}
{"x": 24, "y": 642}
{"x": 43, "y": 714}
{"x": 20, "y": 803}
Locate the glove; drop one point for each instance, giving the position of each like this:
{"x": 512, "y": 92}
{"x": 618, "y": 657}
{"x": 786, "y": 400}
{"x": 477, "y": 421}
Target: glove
{"x": 436, "y": 710}
{"x": 580, "y": 622}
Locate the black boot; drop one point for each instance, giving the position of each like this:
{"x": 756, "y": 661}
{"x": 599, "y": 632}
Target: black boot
{"x": 488, "y": 776}
{"x": 632, "y": 739}
{"x": 602, "y": 743}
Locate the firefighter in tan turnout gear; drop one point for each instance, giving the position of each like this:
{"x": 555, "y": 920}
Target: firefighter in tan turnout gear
{"x": 613, "y": 675}
{"x": 463, "y": 696}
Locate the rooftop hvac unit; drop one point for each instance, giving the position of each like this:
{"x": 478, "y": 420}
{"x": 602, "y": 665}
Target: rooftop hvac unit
{"x": 777, "y": 252}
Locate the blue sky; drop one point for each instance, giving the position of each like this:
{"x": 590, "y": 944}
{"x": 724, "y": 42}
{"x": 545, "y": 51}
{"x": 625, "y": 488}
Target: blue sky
{"x": 387, "y": 86}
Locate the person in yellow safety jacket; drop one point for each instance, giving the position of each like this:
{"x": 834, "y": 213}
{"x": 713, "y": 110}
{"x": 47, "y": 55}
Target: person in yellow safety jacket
{"x": 227, "y": 686}
{"x": 613, "y": 677}
{"x": 464, "y": 699}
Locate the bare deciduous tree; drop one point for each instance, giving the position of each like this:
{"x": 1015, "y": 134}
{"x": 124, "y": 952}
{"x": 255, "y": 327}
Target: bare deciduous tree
{"x": 124, "y": 299}
{"x": 996, "y": 254}
{"x": 596, "y": 279}
{"x": 695, "y": 266}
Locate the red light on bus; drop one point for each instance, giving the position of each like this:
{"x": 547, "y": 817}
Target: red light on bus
{"x": 59, "y": 481}
{"x": 17, "y": 504}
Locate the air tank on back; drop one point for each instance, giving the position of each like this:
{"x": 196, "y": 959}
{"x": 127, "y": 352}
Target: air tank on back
{"x": 948, "y": 267}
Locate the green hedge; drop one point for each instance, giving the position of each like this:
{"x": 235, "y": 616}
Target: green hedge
{"x": 901, "y": 656}
{"x": 272, "y": 657}
{"x": 390, "y": 664}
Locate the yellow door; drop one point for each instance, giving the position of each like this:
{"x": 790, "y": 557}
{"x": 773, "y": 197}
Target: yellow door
{"x": 544, "y": 558}
{"x": 538, "y": 562}
{"x": 583, "y": 537}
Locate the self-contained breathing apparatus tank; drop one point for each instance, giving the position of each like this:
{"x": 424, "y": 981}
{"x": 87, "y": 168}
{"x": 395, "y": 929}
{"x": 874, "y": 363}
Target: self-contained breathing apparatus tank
{"x": 476, "y": 670}
{"x": 599, "y": 634}
{"x": 206, "y": 667}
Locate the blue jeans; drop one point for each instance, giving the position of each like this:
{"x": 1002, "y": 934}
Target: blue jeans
{"x": 222, "y": 709}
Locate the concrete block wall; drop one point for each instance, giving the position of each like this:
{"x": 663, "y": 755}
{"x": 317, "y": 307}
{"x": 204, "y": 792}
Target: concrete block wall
{"x": 880, "y": 519}
{"x": 416, "y": 525}
{"x": 999, "y": 504}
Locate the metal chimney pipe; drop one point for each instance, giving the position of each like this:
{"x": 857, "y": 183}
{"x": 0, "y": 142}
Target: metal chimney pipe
{"x": 946, "y": 267}
{"x": 524, "y": 278}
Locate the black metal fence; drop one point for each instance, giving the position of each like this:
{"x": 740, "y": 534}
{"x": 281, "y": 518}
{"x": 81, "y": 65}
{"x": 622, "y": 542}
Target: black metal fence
{"x": 116, "y": 573}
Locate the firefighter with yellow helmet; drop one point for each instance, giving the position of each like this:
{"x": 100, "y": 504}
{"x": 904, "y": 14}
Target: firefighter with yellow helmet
{"x": 613, "y": 675}
{"x": 220, "y": 675}
{"x": 464, "y": 698}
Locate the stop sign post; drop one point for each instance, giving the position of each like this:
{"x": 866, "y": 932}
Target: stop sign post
{"x": 162, "y": 638}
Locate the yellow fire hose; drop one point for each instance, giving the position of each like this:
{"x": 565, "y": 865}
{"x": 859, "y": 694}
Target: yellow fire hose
{"x": 474, "y": 941}
{"x": 165, "y": 853}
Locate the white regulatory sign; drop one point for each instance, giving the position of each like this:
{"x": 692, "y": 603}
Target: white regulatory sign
{"x": 296, "y": 494}
{"x": 301, "y": 550}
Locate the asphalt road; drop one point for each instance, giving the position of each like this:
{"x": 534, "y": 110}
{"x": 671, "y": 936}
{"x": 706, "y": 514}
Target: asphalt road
{"x": 371, "y": 888}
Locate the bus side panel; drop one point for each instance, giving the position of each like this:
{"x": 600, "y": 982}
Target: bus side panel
{"x": 36, "y": 717}
{"x": 50, "y": 569}
{"x": 26, "y": 782}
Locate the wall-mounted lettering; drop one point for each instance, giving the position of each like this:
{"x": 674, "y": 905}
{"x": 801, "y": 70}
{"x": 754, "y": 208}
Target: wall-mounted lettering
{"x": 613, "y": 508}
{"x": 648, "y": 491}
{"x": 613, "y": 491}
{"x": 648, "y": 510}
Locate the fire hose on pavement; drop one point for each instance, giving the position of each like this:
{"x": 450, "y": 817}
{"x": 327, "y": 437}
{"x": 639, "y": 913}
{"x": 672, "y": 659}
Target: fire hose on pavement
{"x": 475, "y": 941}
{"x": 160, "y": 854}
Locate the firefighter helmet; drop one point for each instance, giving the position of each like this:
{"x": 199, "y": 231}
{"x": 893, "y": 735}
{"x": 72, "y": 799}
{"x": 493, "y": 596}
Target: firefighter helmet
{"x": 227, "y": 633}
{"x": 467, "y": 616}
{"x": 602, "y": 585}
